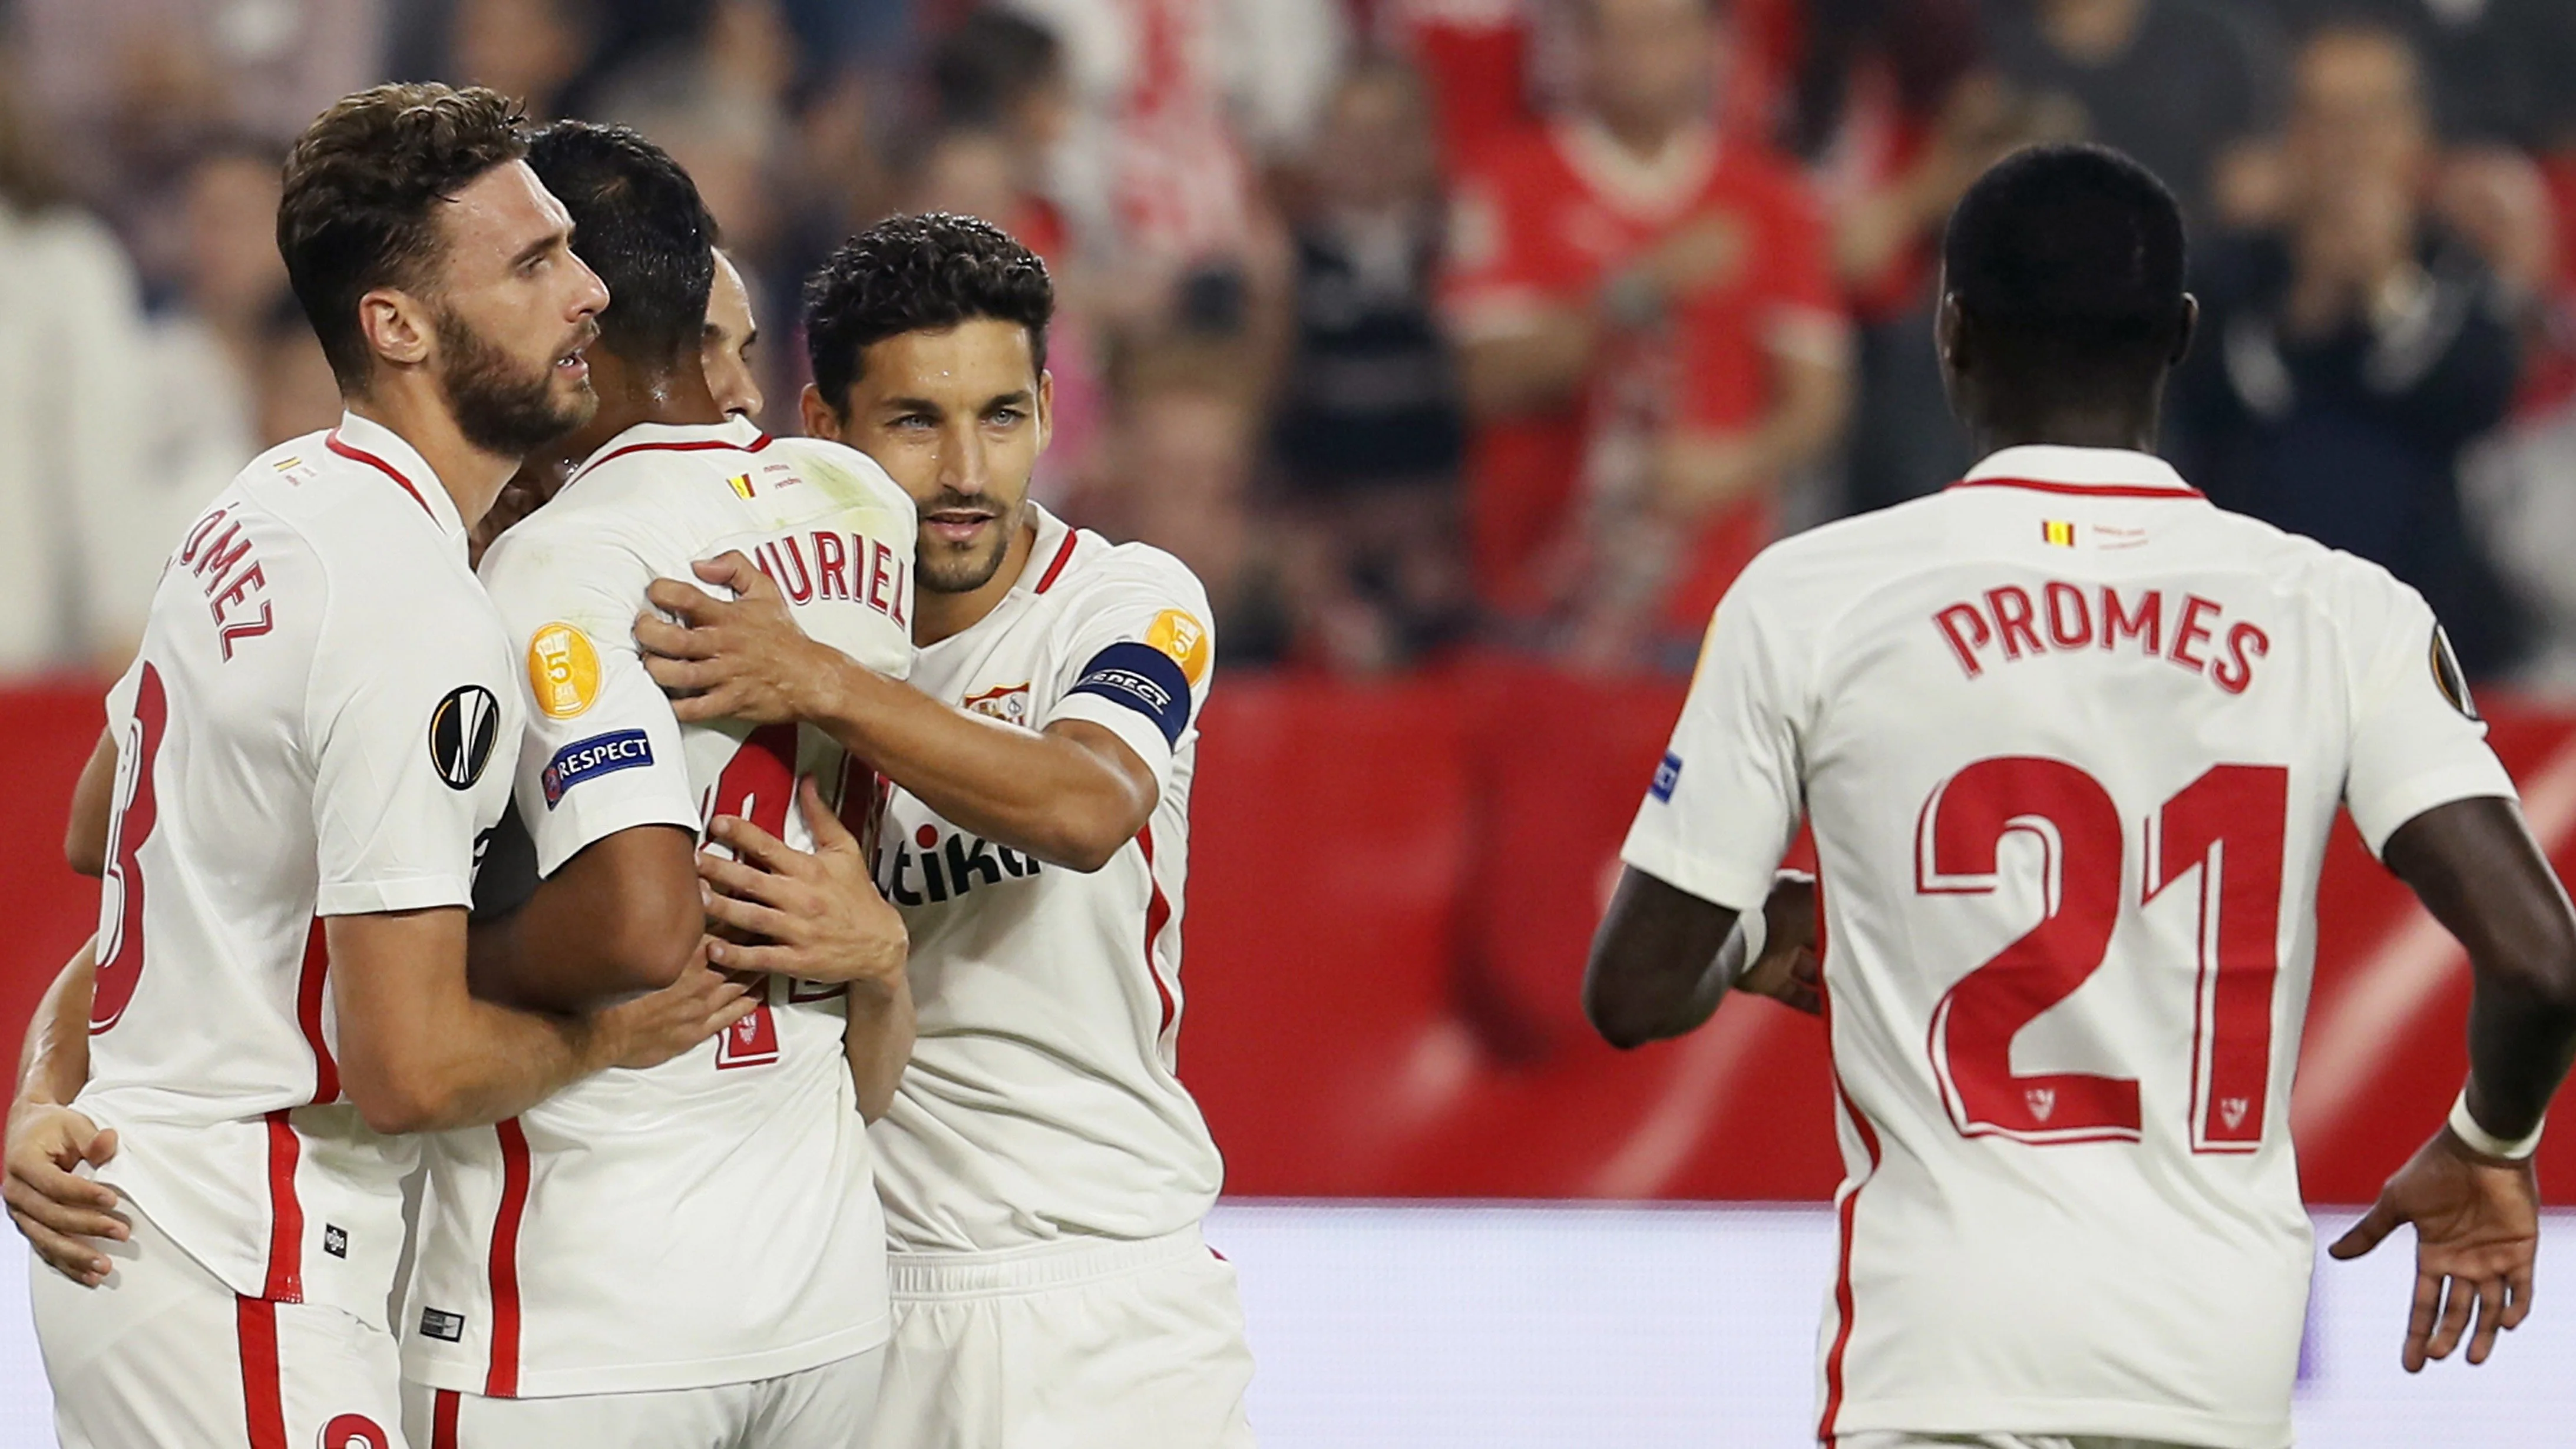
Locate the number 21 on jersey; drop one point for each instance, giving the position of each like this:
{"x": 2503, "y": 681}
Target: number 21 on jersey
{"x": 2223, "y": 831}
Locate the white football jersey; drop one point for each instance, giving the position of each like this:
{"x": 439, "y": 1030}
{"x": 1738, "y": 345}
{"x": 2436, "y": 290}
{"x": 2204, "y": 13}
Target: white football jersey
{"x": 1041, "y": 1102}
{"x": 709, "y": 1221}
{"x": 319, "y": 723}
{"x": 2071, "y": 740}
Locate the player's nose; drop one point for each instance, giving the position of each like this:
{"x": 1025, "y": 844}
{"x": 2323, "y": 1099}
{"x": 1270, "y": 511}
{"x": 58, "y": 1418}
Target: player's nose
{"x": 590, "y": 294}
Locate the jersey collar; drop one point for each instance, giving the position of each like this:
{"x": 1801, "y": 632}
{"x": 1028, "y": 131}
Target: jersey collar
{"x": 1057, "y": 543}
{"x": 1653, "y": 188}
{"x": 380, "y": 449}
{"x": 2095, "y": 472}
{"x": 736, "y": 432}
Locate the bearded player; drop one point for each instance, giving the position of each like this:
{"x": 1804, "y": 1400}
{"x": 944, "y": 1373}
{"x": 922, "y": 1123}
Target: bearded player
{"x": 301, "y": 770}
{"x": 2071, "y": 740}
{"x": 1044, "y": 1173}
{"x": 690, "y": 1254}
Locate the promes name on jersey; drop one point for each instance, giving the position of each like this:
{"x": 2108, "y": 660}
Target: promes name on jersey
{"x": 2011, "y": 622}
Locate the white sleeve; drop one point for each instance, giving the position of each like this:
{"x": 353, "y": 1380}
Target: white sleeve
{"x": 602, "y": 751}
{"x": 1727, "y": 798}
{"x": 2417, "y": 741}
{"x": 410, "y": 729}
{"x": 1137, "y": 658}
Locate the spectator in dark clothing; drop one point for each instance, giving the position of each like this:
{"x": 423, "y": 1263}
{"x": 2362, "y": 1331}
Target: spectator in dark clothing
{"x": 1369, "y": 436}
{"x": 2175, "y": 83}
{"x": 2348, "y": 357}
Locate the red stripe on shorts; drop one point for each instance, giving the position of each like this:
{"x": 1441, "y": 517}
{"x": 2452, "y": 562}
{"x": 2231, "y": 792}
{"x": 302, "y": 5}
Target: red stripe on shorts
{"x": 501, "y": 1381}
{"x": 285, "y": 1215}
{"x": 442, "y": 1419}
{"x": 263, "y": 1398}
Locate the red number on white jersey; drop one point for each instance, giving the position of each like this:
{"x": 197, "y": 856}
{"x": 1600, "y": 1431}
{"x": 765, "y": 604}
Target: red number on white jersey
{"x": 2227, "y": 825}
{"x": 756, "y": 786}
{"x": 120, "y": 946}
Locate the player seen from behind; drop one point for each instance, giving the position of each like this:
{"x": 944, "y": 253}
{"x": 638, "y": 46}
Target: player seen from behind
{"x": 693, "y": 1253}
{"x": 303, "y": 760}
{"x": 2071, "y": 740}
{"x": 1044, "y": 1172}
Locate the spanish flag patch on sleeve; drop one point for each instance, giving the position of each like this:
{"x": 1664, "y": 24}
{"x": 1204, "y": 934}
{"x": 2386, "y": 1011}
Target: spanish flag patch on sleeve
{"x": 2052, "y": 531}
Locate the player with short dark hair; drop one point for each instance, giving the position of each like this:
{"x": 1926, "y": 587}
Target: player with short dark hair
{"x": 2071, "y": 741}
{"x": 289, "y": 804}
{"x": 760, "y": 1313}
{"x": 1043, "y": 1170}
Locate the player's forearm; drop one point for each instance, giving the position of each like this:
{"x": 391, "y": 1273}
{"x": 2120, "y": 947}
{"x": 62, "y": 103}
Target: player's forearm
{"x": 621, "y": 916}
{"x": 1042, "y": 793}
{"x": 2477, "y": 869}
{"x": 1661, "y": 963}
{"x": 53, "y": 1066}
{"x": 878, "y": 1041}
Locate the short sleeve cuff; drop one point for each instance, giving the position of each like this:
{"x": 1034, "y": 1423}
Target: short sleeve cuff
{"x": 2379, "y": 817}
{"x": 393, "y": 893}
{"x": 1134, "y": 730}
{"x": 580, "y": 823}
{"x": 1736, "y": 885}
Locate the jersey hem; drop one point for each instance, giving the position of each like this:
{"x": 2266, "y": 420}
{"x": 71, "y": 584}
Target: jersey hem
{"x": 411, "y": 893}
{"x": 2487, "y": 780}
{"x": 601, "y": 822}
{"x": 1710, "y": 880}
{"x": 1133, "y": 729}
{"x": 465, "y": 1373}
{"x": 2110, "y": 1418}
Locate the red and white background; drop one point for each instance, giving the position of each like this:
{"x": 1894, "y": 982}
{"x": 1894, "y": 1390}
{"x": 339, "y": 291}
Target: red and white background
{"x": 1461, "y": 1219}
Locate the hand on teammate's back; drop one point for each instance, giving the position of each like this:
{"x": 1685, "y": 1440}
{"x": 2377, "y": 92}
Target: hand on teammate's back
{"x": 815, "y": 917}
{"x": 659, "y": 1025}
{"x": 1789, "y": 971}
{"x": 743, "y": 659}
{"x": 2477, "y": 1230}
{"x": 53, "y": 1206}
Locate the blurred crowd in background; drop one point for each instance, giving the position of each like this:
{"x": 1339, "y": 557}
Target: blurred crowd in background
{"x": 1414, "y": 326}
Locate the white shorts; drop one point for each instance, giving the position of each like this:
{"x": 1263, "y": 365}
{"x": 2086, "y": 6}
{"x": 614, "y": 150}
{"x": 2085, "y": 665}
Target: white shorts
{"x": 1889, "y": 1440}
{"x": 1074, "y": 1346}
{"x": 164, "y": 1356}
{"x": 828, "y": 1406}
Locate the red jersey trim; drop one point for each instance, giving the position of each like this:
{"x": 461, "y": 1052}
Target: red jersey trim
{"x": 308, "y": 1014}
{"x": 263, "y": 1394}
{"x": 1063, "y": 556}
{"x": 703, "y": 445}
{"x": 1158, "y": 914}
{"x": 361, "y": 455}
{"x": 501, "y": 1381}
{"x": 442, "y": 1419}
{"x": 2084, "y": 490}
{"x": 285, "y": 1215}
{"x": 1847, "y": 1211}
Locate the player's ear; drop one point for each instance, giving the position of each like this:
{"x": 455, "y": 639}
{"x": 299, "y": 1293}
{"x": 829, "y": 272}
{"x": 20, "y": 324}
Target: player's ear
{"x": 817, "y": 416}
{"x": 1950, "y": 334}
{"x": 1046, "y": 408}
{"x": 396, "y": 325}
{"x": 2190, "y": 329}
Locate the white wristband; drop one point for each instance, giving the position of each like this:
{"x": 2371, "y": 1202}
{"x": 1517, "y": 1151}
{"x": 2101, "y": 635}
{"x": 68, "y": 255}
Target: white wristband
{"x": 2487, "y": 1144}
{"x": 1755, "y": 930}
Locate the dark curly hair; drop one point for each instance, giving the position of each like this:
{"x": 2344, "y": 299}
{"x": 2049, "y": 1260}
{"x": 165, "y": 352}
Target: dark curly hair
{"x": 361, "y": 192}
{"x": 637, "y": 221}
{"x": 2069, "y": 262}
{"x": 919, "y": 274}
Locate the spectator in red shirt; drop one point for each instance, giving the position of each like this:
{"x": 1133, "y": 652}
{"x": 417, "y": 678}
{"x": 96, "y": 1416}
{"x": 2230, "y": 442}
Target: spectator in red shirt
{"x": 1650, "y": 339}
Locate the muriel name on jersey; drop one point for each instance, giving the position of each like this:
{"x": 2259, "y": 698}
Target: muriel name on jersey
{"x": 2011, "y": 622}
